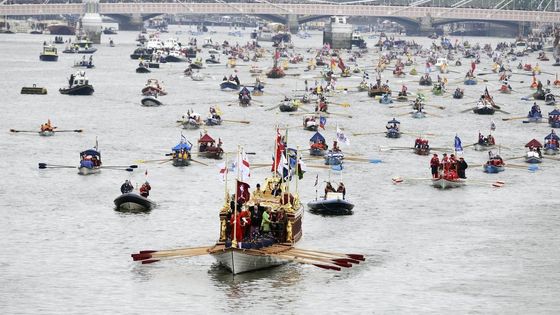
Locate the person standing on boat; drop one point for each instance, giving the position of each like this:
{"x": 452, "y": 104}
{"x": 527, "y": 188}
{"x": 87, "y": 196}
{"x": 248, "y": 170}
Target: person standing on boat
{"x": 434, "y": 165}
{"x": 71, "y": 80}
{"x": 461, "y": 167}
{"x": 265, "y": 222}
{"x": 341, "y": 189}
{"x": 145, "y": 189}
{"x": 126, "y": 187}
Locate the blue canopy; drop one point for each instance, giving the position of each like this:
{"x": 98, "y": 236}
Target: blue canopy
{"x": 317, "y": 137}
{"x": 182, "y": 146}
{"x": 393, "y": 121}
{"x": 91, "y": 152}
{"x": 552, "y": 136}
{"x": 554, "y": 113}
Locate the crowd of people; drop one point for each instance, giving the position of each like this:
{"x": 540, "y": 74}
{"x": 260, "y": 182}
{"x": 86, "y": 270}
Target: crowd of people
{"x": 47, "y": 126}
{"x": 449, "y": 167}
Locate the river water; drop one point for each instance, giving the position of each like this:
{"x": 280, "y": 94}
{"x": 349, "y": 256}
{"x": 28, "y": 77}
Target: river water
{"x": 65, "y": 249}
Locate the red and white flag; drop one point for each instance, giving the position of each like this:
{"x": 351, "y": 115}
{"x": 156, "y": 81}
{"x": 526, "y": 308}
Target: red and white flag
{"x": 223, "y": 171}
{"x": 244, "y": 166}
{"x": 279, "y": 149}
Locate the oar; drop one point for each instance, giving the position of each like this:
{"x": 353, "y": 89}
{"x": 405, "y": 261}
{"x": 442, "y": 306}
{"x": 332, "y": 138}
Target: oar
{"x": 75, "y": 130}
{"x": 353, "y": 256}
{"x": 316, "y": 263}
{"x": 358, "y": 159}
{"x": 273, "y": 107}
{"x": 199, "y": 162}
{"x": 437, "y": 106}
{"x": 382, "y": 148}
{"x": 514, "y": 118}
{"x": 340, "y": 114}
{"x": 497, "y": 183}
{"x": 150, "y": 256}
{"x": 118, "y": 166}
{"x": 149, "y": 161}
{"x": 398, "y": 179}
{"x": 237, "y": 121}
{"x": 367, "y": 133}
{"x": 31, "y": 131}
{"x": 502, "y": 111}
{"x": 346, "y": 263}
{"x": 399, "y": 106}
{"x": 467, "y": 110}
{"x": 45, "y": 165}
{"x": 551, "y": 158}
{"x": 120, "y": 169}
{"x": 341, "y": 104}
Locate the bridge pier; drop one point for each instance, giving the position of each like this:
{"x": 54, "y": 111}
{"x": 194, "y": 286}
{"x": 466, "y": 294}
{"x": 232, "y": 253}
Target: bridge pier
{"x": 293, "y": 23}
{"x": 91, "y": 21}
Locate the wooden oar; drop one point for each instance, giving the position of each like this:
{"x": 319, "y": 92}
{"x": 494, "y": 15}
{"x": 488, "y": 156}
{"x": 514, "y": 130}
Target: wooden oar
{"x": 514, "y": 118}
{"x": 551, "y": 158}
{"x": 353, "y": 256}
{"x": 438, "y": 116}
{"x": 343, "y": 262}
{"x": 467, "y": 110}
{"x": 149, "y": 161}
{"x": 502, "y": 111}
{"x": 359, "y": 159}
{"x": 340, "y": 114}
{"x": 399, "y": 106}
{"x": 199, "y": 162}
{"x": 151, "y": 256}
{"x": 314, "y": 262}
{"x": 273, "y": 107}
{"x": 368, "y": 133}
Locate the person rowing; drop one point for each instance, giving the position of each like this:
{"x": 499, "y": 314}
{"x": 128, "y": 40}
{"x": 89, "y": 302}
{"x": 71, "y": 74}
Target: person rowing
{"x": 126, "y": 187}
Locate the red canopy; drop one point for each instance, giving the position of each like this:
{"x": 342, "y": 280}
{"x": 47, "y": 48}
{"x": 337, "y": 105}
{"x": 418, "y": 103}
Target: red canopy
{"x": 207, "y": 139}
{"x": 534, "y": 143}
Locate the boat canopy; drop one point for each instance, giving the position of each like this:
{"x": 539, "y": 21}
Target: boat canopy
{"x": 533, "y": 143}
{"x": 393, "y": 121}
{"x": 91, "y": 152}
{"x": 182, "y": 146}
{"x": 317, "y": 137}
{"x": 554, "y": 113}
{"x": 206, "y": 139}
{"x": 552, "y": 135}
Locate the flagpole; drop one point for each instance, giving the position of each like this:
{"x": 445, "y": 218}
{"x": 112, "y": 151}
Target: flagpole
{"x": 288, "y": 160}
{"x": 225, "y": 175}
{"x": 274, "y": 164}
{"x": 297, "y": 168}
{"x": 234, "y": 241}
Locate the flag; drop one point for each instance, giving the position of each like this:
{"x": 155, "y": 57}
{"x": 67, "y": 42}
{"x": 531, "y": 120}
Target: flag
{"x": 341, "y": 137}
{"x": 183, "y": 138}
{"x": 223, "y": 170}
{"x": 301, "y": 169}
{"x": 458, "y": 146}
{"x": 341, "y": 64}
{"x": 243, "y": 194}
{"x": 277, "y": 54}
{"x": 316, "y": 180}
{"x": 333, "y": 63}
{"x": 244, "y": 166}
{"x": 322, "y": 122}
{"x": 96, "y": 145}
{"x": 279, "y": 149}
{"x": 473, "y": 66}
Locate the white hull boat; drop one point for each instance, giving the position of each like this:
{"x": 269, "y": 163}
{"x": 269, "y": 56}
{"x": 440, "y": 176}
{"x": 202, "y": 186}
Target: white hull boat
{"x": 241, "y": 260}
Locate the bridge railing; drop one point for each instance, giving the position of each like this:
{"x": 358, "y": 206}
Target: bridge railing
{"x": 302, "y": 9}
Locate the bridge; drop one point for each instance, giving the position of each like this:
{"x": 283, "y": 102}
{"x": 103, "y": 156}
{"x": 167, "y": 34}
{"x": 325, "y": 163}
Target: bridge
{"x": 421, "y": 11}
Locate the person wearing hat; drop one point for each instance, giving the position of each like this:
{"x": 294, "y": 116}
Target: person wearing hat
{"x": 445, "y": 163}
{"x": 434, "y": 164}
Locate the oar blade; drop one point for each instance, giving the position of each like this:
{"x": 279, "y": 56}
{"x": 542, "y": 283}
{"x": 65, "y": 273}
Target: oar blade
{"x": 149, "y": 261}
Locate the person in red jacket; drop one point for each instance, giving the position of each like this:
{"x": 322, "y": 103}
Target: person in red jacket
{"x": 434, "y": 164}
{"x": 145, "y": 189}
